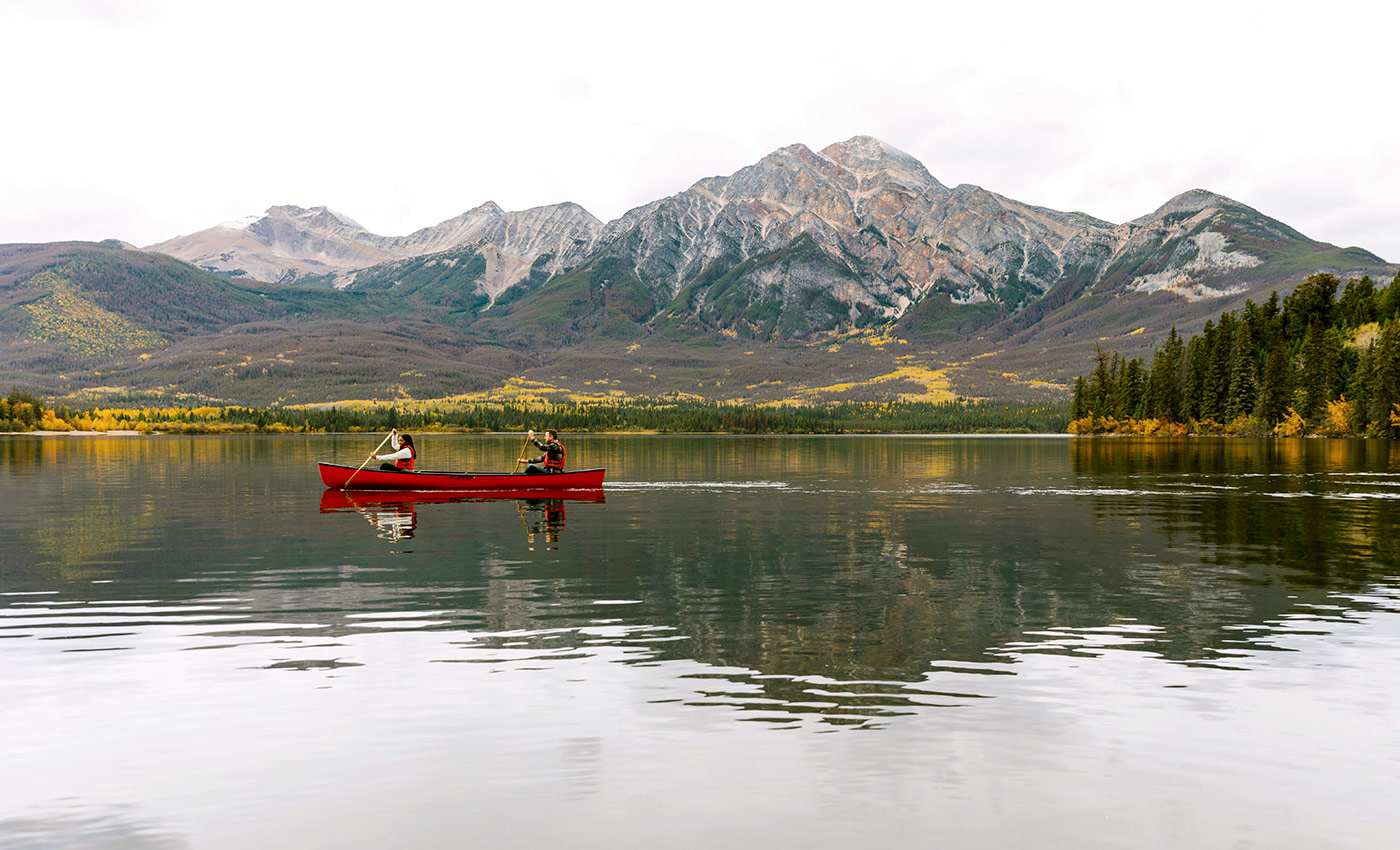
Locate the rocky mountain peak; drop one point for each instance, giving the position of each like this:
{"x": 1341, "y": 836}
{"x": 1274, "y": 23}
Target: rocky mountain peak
{"x": 487, "y": 208}
{"x": 1193, "y": 201}
{"x": 791, "y": 153}
{"x": 859, "y": 231}
{"x": 321, "y": 215}
{"x": 867, "y": 155}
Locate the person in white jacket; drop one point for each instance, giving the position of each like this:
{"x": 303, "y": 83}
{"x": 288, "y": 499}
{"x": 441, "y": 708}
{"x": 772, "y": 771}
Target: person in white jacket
{"x": 404, "y": 453}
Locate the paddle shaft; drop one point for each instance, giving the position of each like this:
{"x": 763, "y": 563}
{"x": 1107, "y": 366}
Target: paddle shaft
{"x": 367, "y": 460}
{"x": 521, "y": 459}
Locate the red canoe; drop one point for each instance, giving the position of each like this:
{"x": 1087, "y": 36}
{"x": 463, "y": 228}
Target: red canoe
{"x": 359, "y": 500}
{"x": 335, "y": 475}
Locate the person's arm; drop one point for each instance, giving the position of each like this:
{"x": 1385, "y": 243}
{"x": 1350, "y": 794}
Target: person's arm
{"x": 402, "y": 454}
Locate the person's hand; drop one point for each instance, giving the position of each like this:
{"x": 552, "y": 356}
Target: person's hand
{"x": 532, "y": 434}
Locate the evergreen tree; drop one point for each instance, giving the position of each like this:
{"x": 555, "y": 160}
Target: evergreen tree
{"x": 1388, "y": 301}
{"x": 1269, "y": 311}
{"x": 1361, "y": 390}
{"x": 1217, "y": 385}
{"x": 1164, "y": 384}
{"x": 1197, "y": 362}
{"x": 1080, "y": 407}
{"x": 1274, "y": 388}
{"x": 1309, "y": 304}
{"x": 1208, "y": 403}
{"x": 1317, "y": 371}
{"x": 1101, "y": 388}
{"x": 1357, "y": 306}
{"x": 1128, "y": 392}
{"x": 1244, "y": 375}
{"x": 1386, "y": 381}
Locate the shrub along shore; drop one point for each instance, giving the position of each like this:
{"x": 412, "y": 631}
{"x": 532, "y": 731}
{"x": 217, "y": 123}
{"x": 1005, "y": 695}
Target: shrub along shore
{"x": 20, "y": 412}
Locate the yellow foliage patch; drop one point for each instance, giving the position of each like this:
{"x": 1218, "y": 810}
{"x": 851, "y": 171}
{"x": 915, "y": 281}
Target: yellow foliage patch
{"x": 67, "y": 317}
{"x": 936, "y": 384}
{"x": 1292, "y": 425}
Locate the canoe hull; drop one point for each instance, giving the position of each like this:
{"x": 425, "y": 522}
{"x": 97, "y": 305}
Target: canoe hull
{"x": 335, "y": 475}
{"x": 334, "y": 500}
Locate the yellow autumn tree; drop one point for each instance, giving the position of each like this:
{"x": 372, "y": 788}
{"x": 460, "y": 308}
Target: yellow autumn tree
{"x": 1292, "y": 425}
{"x": 1338, "y": 418}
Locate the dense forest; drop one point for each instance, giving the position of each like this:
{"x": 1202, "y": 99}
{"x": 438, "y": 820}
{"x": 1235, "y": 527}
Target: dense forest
{"x": 1315, "y": 363}
{"x": 22, "y": 411}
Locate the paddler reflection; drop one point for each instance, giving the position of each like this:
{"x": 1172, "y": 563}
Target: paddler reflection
{"x": 542, "y": 517}
{"x": 394, "y": 517}
{"x": 394, "y": 522}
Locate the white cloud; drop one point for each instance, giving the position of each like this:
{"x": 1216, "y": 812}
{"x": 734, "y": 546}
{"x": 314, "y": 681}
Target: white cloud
{"x": 162, "y": 117}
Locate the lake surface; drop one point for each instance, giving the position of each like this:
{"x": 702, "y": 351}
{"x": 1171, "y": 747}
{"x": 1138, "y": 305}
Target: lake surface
{"x": 789, "y": 641}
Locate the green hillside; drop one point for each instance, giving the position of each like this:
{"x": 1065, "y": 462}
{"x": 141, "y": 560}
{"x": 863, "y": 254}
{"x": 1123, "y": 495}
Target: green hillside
{"x": 78, "y": 316}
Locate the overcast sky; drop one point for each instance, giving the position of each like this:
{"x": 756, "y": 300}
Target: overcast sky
{"x": 145, "y": 120}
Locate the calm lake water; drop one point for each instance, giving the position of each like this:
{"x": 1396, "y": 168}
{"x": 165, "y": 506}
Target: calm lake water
{"x": 787, "y": 642}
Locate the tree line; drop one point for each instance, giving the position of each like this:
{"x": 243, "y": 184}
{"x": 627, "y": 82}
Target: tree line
{"x": 965, "y": 416}
{"x": 1312, "y": 363}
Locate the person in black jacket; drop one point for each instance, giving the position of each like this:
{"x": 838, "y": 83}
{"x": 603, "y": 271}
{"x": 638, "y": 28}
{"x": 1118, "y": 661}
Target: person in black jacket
{"x": 553, "y": 458}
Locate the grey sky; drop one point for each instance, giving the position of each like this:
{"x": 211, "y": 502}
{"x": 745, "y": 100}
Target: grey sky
{"x": 144, "y": 120}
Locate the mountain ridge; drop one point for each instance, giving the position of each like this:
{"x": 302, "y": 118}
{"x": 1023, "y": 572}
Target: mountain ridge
{"x": 861, "y": 199}
{"x": 795, "y": 278}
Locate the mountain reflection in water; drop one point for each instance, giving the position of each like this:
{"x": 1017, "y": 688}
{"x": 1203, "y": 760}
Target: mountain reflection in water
{"x": 842, "y": 580}
{"x": 846, "y": 641}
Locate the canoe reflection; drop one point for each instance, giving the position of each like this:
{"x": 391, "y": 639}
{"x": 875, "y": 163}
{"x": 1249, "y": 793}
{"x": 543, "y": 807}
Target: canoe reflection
{"x": 394, "y": 513}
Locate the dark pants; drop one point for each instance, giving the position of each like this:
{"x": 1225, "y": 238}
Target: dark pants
{"x": 534, "y": 469}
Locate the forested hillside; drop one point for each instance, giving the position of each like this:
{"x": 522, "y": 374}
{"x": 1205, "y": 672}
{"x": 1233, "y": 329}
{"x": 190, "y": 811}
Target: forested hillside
{"x": 1314, "y": 362}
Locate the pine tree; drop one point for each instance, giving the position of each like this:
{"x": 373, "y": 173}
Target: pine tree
{"x": 1218, "y": 375}
{"x": 1317, "y": 371}
{"x": 1388, "y": 300}
{"x": 1101, "y": 388}
{"x": 1128, "y": 393}
{"x": 1274, "y": 389}
{"x": 1208, "y": 404}
{"x": 1197, "y": 361}
{"x": 1361, "y": 390}
{"x": 1386, "y": 381}
{"x": 1310, "y": 303}
{"x": 1164, "y": 387}
{"x": 1357, "y": 306}
{"x": 1244, "y": 375}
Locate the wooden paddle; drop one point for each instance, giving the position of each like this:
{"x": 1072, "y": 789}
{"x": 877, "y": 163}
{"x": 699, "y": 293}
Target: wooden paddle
{"x": 521, "y": 459}
{"x": 368, "y": 459}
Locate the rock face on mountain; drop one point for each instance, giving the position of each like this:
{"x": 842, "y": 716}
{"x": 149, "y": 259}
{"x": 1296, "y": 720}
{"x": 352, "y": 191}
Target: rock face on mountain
{"x": 509, "y": 243}
{"x": 290, "y": 243}
{"x": 803, "y": 242}
{"x": 799, "y": 243}
{"x": 1197, "y": 245}
{"x": 890, "y": 232}
{"x": 284, "y": 243}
